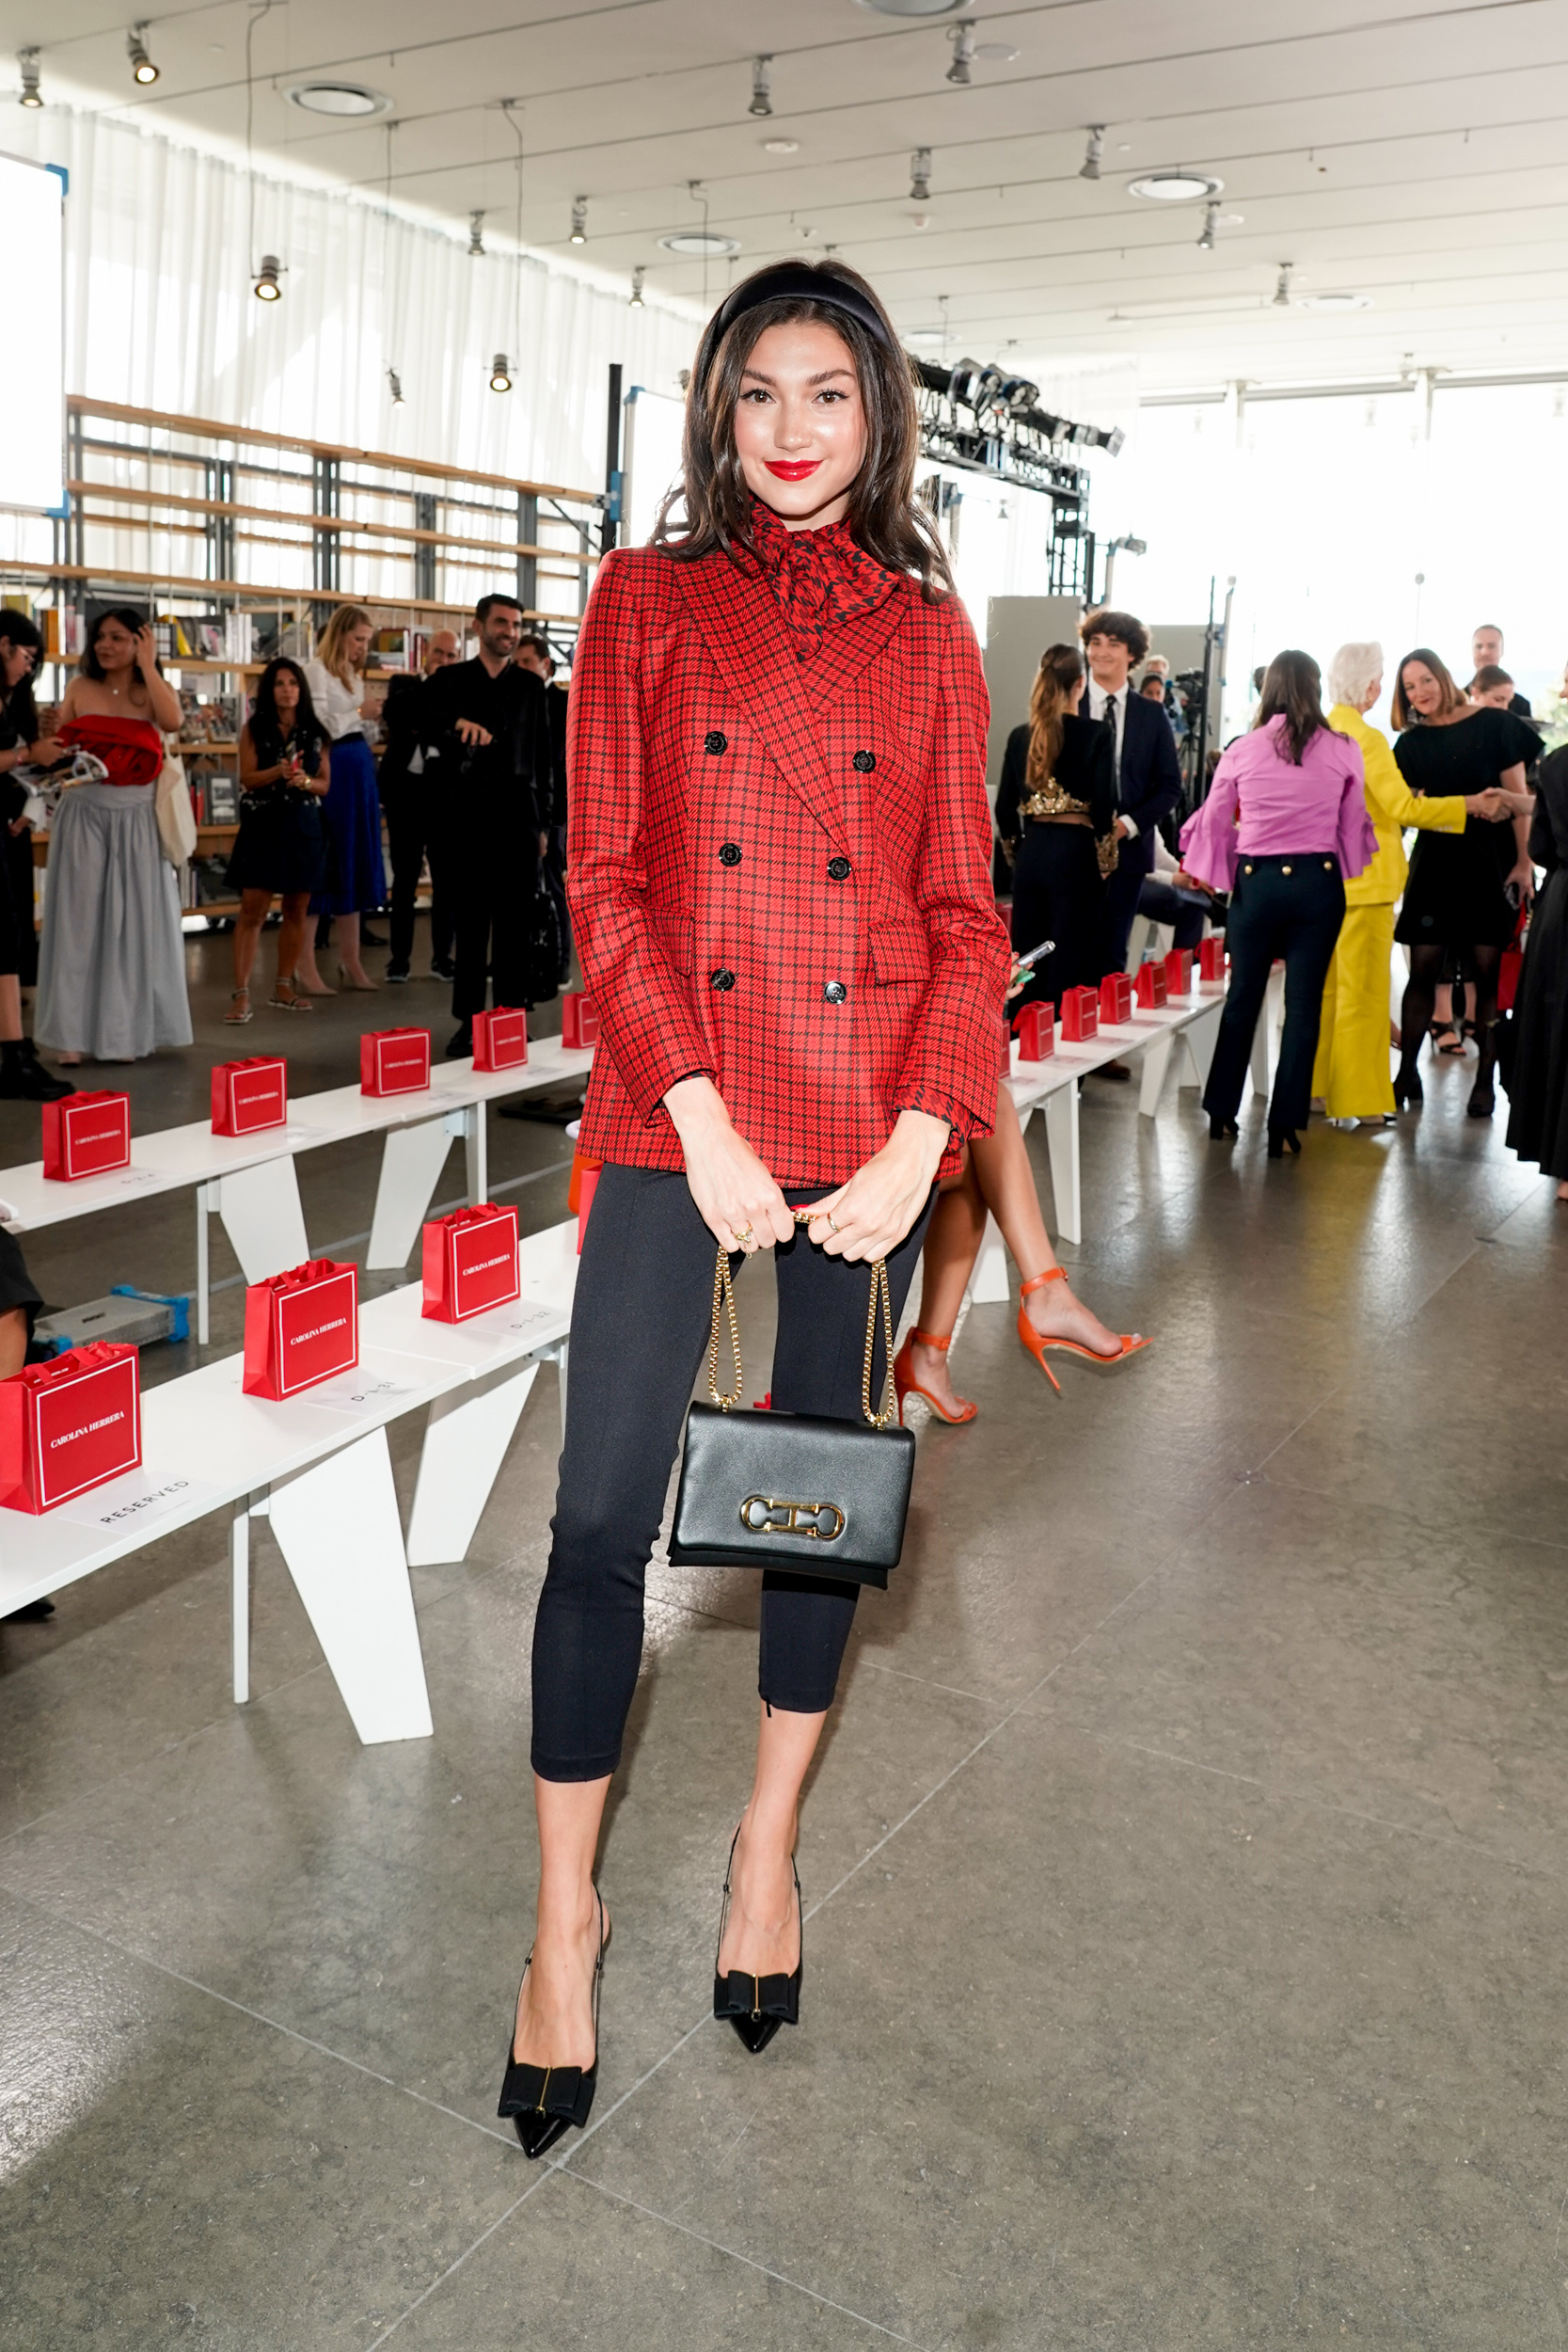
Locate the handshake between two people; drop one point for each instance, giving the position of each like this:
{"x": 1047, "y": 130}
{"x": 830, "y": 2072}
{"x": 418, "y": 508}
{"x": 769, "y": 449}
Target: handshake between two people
{"x": 744, "y": 1209}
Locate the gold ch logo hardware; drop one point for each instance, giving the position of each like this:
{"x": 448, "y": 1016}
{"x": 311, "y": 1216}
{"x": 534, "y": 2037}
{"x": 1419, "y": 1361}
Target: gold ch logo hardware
{"x": 767, "y": 1515}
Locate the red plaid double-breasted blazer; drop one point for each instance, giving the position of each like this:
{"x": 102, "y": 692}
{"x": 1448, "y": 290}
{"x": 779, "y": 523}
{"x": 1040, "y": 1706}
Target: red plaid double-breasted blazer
{"x": 779, "y": 872}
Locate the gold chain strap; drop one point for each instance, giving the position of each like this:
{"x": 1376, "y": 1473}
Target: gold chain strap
{"x": 889, "y": 1403}
{"x": 724, "y": 1296}
{"x": 723, "y": 1305}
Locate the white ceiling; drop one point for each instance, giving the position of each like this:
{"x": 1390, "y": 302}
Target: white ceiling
{"x": 1416, "y": 157}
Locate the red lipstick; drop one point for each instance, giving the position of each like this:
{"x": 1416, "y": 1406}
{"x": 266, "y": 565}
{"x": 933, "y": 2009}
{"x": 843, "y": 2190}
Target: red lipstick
{"x": 795, "y": 469}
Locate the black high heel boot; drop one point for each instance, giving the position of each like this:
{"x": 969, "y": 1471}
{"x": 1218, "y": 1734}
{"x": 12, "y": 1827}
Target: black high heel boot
{"x": 544, "y": 2101}
{"x": 756, "y": 2007}
{"x": 1219, "y": 1129}
{"x": 1281, "y": 1139}
{"x": 1483, "y": 1099}
{"x": 1408, "y": 1089}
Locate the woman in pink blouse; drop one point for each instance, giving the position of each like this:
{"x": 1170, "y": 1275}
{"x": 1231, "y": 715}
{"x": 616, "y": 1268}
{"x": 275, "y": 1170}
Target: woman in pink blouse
{"x": 1283, "y": 829}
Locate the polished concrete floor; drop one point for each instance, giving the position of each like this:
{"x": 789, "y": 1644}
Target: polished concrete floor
{"x": 1186, "y": 1947}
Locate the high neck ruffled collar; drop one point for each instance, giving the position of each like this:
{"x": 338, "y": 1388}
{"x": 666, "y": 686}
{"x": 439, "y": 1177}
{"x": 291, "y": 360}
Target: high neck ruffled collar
{"x": 818, "y": 577}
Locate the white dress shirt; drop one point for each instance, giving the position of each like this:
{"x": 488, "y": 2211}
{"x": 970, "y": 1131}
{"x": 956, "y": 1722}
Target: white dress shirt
{"x": 1114, "y": 708}
{"x": 338, "y": 707}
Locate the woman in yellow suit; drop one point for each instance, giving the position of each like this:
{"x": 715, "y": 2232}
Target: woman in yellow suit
{"x": 1351, "y": 1070}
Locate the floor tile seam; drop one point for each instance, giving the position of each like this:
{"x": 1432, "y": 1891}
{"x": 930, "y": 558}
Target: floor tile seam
{"x": 1298, "y": 1486}
{"x": 292, "y": 2033}
{"x": 1011, "y": 1715}
{"x": 783, "y": 2278}
{"x": 454, "y": 2266}
{"x": 171, "y": 1747}
{"x": 926, "y": 1682}
{"x": 1274, "y": 1794}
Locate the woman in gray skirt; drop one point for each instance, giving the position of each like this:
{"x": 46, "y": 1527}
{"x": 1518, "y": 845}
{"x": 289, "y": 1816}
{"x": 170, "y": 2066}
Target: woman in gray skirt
{"x": 111, "y": 967}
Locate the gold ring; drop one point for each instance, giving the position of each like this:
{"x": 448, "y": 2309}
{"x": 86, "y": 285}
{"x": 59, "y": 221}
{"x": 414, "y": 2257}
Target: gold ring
{"x": 743, "y": 1236}
{"x": 831, "y": 1227}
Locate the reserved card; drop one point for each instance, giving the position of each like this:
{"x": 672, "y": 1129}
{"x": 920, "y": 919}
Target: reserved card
{"x": 138, "y": 1500}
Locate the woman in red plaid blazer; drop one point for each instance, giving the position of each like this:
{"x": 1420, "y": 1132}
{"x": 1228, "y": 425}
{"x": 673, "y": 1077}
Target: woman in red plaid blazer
{"x": 779, "y": 887}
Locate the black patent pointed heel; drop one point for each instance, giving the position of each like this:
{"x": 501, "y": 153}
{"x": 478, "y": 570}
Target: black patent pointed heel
{"x": 756, "y": 2007}
{"x": 1220, "y": 1130}
{"x": 1409, "y": 1093}
{"x": 1283, "y": 1139}
{"x": 543, "y": 2102}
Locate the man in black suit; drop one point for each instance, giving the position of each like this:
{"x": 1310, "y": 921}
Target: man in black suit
{"x": 1149, "y": 779}
{"x": 418, "y": 820}
{"x": 489, "y": 726}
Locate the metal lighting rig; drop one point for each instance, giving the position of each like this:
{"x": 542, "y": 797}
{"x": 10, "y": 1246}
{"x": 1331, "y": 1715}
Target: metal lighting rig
{"x": 983, "y": 422}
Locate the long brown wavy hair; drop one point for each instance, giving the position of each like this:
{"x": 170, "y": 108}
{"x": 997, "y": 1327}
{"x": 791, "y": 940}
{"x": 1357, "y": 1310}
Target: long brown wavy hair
{"x": 1292, "y": 690}
{"x": 712, "y": 506}
{"x": 1061, "y": 668}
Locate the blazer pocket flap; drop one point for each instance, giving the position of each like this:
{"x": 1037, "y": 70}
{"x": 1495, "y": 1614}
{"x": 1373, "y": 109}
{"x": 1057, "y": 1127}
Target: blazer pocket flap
{"x": 900, "y": 952}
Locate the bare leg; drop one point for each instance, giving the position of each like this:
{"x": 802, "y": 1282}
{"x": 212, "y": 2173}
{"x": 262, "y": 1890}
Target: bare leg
{"x": 762, "y": 1937}
{"x": 247, "y": 933}
{"x": 291, "y": 944}
{"x": 555, "y": 2015}
{"x": 307, "y": 978}
{"x": 345, "y": 938}
{"x": 10, "y": 1011}
{"x": 953, "y": 1241}
{"x": 13, "y": 1341}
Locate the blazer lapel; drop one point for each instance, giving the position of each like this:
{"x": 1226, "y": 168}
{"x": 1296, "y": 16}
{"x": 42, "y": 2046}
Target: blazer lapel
{"x": 856, "y": 643}
{"x": 745, "y": 635}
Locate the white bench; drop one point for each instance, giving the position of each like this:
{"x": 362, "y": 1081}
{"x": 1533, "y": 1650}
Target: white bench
{"x": 1191, "y": 1022}
{"x": 250, "y": 1180}
{"x": 319, "y": 1468}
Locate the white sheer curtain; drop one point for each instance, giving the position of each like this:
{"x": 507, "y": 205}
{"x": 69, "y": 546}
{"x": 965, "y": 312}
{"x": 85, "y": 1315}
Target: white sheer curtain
{"x": 160, "y": 313}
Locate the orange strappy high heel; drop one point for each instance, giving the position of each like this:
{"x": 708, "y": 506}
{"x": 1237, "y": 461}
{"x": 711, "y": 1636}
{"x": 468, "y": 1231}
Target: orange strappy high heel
{"x": 905, "y": 1384}
{"x": 1038, "y": 1342}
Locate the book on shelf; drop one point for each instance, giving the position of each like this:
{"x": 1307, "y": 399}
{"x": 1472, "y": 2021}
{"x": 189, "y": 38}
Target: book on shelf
{"x": 223, "y": 800}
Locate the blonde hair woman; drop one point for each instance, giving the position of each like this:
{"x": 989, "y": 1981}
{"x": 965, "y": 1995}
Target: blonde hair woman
{"x": 1352, "y": 1071}
{"x": 357, "y": 877}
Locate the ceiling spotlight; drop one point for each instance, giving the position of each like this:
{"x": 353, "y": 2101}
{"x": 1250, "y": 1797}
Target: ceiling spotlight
{"x": 781, "y": 147}
{"x": 268, "y": 287}
{"x": 1176, "y": 187}
{"x": 1206, "y": 235}
{"x": 142, "y": 67}
{"x": 580, "y": 220}
{"x": 920, "y": 175}
{"x": 1089, "y": 168}
{"x": 500, "y": 372}
{"x": 394, "y": 385}
{"x": 962, "y": 38}
{"x": 27, "y": 60}
{"x": 476, "y": 236}
{"x": 637, "y": 277}
{"x": 762, "y": 76}
{"x": 1282, "y": 291}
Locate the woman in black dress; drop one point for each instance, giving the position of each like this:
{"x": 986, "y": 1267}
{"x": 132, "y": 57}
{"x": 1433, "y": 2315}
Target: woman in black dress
{"x": 285, "y": 769}
{"x": 1538, "y": 1092}
{"x": 1464, "y": 889}
{"x": 1056, "y": 817}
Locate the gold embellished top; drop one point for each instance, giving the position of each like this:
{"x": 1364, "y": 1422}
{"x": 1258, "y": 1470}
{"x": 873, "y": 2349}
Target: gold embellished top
{"x": 1051, "y": 800}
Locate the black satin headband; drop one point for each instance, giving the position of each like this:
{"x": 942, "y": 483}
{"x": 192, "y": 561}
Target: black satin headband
{"x": 789, "y": 283}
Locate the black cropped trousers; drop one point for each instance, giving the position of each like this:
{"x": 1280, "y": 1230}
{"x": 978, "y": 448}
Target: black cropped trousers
{"x": 1290, "y": 907}
{"x": 640, "y": 1332}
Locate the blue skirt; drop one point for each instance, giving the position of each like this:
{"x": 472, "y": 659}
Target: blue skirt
{"x": 357, "y": 878}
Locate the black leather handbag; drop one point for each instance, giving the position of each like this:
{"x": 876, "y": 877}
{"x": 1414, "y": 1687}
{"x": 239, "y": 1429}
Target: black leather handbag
{"x": 794, "y": 1492}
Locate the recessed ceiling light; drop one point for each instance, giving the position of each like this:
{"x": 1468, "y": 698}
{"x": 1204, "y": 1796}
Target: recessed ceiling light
{"x": 1176, "y": 187}
{"x": 782, "y": 147}
{"x": 699, "y": 242}
{"x": 924, "y": 335}
{"x": 999, "y": 52}
{"x": 339, "y": 98}
{"x": 1334, "y": 302}
{"x": 913, "y": 7}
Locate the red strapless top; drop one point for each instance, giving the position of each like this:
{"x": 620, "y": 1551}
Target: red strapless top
{"x": 130, "y": 748}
